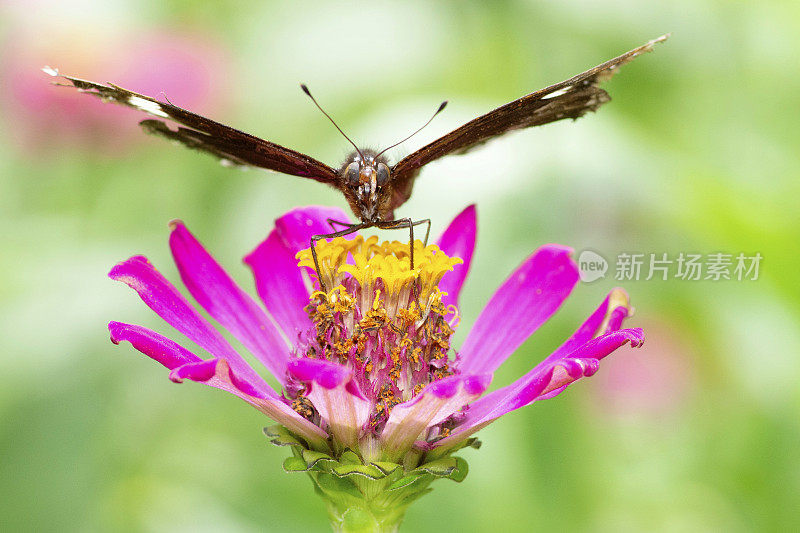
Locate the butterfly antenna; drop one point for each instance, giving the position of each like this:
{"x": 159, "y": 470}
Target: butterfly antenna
{"x": 441, "y": 108}
{"x": 305, "y": 90}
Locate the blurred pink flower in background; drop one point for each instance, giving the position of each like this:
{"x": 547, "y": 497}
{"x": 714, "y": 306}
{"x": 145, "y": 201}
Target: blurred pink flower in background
{"x": 186, "y": 67}
{"x": 654, "y": 383}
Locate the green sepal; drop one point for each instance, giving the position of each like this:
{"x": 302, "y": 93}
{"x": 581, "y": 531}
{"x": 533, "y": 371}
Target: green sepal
{"x": 350, "y": 457}
{"x": 440, "y": 467}
{"x": 280, "y": 436}
{"x": 335, "y": 488}
{"x": 304, "y": 460}
{"x": 471, "y": 442}
{"x": 420, "y": 479}
{"x": 462, "y": 469}
{"x": 294, "y": 464}
{"x": 317, "y": 460}
{"x": 369, "y": 471}
{"x": 386, "y": 467}
{"x": 368, "y": 496}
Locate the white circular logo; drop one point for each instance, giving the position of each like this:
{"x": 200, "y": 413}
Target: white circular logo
{"x": 592, "y": 266}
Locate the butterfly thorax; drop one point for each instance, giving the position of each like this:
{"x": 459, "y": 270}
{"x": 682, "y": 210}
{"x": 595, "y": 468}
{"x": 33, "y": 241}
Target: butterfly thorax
{"x": 365, "y": 181}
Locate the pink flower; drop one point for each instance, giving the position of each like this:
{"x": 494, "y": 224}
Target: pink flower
{"x": 367, "y": 372}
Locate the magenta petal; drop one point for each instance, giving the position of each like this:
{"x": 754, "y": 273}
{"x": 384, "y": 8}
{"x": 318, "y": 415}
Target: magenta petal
{"x": 183, "y": 363}
{"x": 608, "y": 317}
{"x": 618, "y": 315}
{"x": 224, "y": 300}
{"x": 544, "y": 381}
{"x": 278, "y": 280}
{"x": 523, "y": 303}
{"x": 579, "y": 356}
{"x": 217, "y": 373}
{"x": 335, "y": 395}
{"x": 326, "y": 374}
{"x": 296, "y": 227}
{"x": 279, "y": 284}
{"x": 533, "y": 384}
{"x": 458, "y": 240}
{"x": 200, "y": 372}
{"x": 582, "y": 362}
{"x": 165, "y": 300}
{"x": 431, "y": 406}
{"x": 157, "y": 347}
{"x": 553, "y": 393}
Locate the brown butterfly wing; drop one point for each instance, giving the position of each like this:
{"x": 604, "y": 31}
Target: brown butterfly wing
{"x": 206, "y": 135}
{"x": 571, "y": 98}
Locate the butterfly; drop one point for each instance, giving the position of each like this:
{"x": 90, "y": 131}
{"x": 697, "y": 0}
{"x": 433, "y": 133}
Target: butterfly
{"x": 373, "y": 186}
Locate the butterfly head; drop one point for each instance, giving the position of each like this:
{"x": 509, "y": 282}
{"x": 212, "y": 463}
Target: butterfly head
{"x": 366, "y": 182}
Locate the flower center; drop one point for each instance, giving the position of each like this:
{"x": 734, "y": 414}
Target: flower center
{"x": 382, "y": 319}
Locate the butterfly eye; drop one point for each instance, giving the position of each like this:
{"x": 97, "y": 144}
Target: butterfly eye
{"x": 383, "y": 174}
{"x": 351, "y": 174}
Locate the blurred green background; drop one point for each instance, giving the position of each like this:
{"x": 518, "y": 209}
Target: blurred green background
{"x": 697, "y": 152}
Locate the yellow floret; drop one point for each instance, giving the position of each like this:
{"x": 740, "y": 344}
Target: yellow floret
{"x": 388, "y": 261}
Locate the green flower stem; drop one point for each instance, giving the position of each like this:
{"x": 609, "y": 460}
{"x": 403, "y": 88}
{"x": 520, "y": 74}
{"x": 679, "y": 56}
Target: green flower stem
{"x": 368, "y": 509}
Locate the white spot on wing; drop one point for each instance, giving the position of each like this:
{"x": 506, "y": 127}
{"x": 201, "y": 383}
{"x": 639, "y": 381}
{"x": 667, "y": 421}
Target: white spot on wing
{"x": 50, "y": 70}
{"x": 558, "y": 93}
{"x": 147, "y": 106}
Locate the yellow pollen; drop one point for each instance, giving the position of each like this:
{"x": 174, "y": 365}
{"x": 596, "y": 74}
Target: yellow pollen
{"x": 366, "y": 262}
{"x": 303, "y": 407}
{"x": 410, "y": 315}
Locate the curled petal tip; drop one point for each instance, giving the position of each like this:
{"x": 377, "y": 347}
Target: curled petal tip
{"x": 637, "y": 337}
{"x": 618, "y": 297}
{"x": 176, "y": 223}
{"x": 113, "y": 331}
{"x": 619, "y": 309}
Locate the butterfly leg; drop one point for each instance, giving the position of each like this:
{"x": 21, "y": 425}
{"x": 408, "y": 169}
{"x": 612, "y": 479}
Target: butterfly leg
{"x": 408, "y": 223}
{"x": 349, "y": 228}
{"x": 401, "y": 223}
{"x": 333, "y": 223}
{"x": 427, "y": 231}
{"x": 417, "y": 287}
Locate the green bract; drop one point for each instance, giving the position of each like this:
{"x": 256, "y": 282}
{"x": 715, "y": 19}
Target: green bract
{"x": 362, "y": 496}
